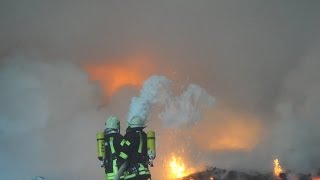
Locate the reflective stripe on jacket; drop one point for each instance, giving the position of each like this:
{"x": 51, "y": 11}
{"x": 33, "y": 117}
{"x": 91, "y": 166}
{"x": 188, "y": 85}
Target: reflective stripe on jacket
{"x": 112, "y": 160}
{"x": 134, "y": 150}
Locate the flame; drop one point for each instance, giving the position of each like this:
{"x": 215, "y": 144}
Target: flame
{"x": 113, "y": 76}
{"x": 177, "y": 167}
{"x": 277, "y": 168}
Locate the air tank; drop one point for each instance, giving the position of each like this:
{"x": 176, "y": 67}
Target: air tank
{"x": 100, "y": 146}
{"x": 151, "y": 141}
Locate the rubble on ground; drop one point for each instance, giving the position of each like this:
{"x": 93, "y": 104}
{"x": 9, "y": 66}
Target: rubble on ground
{"x": 222, "y": 174}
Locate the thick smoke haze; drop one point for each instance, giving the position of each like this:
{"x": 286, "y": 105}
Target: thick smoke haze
{"x": 177, "y": 111}
{"x": 259, "y": 59}
{"x": 48, "y": 111}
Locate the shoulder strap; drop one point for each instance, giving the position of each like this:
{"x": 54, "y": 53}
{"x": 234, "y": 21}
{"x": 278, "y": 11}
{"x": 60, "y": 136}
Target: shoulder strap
{"x": 140, "y": 144}
{"x": 111, "y": 145}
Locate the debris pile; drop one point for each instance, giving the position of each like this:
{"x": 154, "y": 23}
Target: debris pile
{"x": 222, "y": 174}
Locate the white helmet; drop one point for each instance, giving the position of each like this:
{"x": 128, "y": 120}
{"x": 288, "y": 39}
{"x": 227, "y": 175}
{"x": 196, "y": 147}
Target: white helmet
{"x": 136, "y": 121}
{"x": 112, "y": 123}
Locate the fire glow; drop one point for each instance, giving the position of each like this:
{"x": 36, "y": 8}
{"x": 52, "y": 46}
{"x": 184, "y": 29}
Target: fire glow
{"x": 131, "y": 72}
{"x": 177, "y": 167}
{"x": 277, "y": 167}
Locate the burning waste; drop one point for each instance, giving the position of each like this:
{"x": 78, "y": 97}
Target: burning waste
{"x": 177, "y": 167}
{"x": 277, "y": 170}
{"x": 278, "y": 174}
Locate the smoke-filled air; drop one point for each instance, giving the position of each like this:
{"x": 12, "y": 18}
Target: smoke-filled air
{"x": 227, "y": 84}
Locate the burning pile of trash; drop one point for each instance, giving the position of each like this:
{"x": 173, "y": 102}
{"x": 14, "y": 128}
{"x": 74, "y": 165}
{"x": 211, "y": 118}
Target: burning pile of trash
{"x": 214, "y": 173}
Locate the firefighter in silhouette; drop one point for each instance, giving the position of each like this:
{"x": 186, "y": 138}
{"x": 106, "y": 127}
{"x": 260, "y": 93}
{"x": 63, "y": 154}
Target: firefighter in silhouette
{"x": 134, "y": 151}
{"x": 111, "y": 148}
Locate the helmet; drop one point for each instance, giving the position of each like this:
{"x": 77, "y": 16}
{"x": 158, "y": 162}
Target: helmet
{"x": 112, "y": 123}
{"x": 136, "y": 121}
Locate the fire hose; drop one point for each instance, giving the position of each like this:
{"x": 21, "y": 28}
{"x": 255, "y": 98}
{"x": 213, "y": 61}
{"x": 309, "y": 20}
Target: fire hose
{"x": 121, "y": 170}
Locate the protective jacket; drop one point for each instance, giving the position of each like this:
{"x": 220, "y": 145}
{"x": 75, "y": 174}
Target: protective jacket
{"x": 134, "y": 151}
{"x": 112, "y": 162}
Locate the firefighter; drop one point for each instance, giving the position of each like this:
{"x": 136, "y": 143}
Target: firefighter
{"x": 112, "y": 139}
{"x": 134, "y": 151}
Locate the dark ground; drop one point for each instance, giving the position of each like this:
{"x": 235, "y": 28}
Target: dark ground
{"x": 221, "y": 174}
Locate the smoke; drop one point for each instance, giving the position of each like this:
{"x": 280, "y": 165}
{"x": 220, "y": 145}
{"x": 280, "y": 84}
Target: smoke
{"x": 186, "y": 109}
{"x": 288, "y": 133}
{"x": 178, "y": 110}
{"x": 154, "y": 89}
{"x": 298, "y": 116}
{"x": 259, "y": 59}
{"x": 48, "y": 119}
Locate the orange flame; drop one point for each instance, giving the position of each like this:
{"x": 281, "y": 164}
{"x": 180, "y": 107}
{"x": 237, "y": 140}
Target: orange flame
{"x": 113, "y": 76}
{"x": 177, "y": 167}
{"x": 277, "y": 168}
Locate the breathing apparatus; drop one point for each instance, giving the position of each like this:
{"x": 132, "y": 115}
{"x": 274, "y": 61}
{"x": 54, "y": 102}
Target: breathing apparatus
{"x": 151, "y": 141}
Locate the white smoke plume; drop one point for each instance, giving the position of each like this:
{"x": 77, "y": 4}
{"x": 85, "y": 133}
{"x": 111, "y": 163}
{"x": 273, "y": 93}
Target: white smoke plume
{"x": 22, "y": 92}
{"x": 187, "y": 108}
{"x": 48, "y": 120}
{"x": 154, "y": 89}
{"x": 178, "y": 110}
